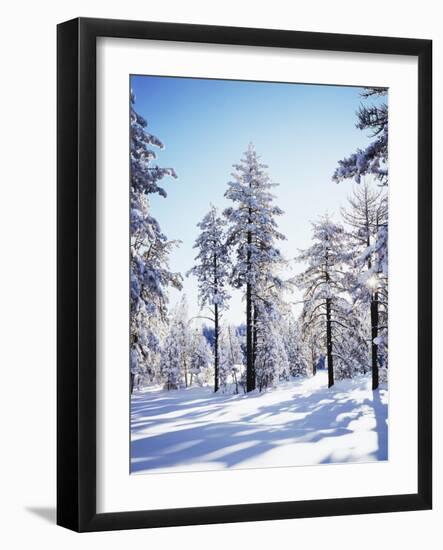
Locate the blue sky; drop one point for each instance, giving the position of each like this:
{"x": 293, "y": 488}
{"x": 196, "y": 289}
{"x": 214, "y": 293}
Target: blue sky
{"x": 300, "y": 131}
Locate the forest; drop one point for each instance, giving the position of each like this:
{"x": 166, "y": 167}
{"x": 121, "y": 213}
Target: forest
{"x": 340, "y": 323}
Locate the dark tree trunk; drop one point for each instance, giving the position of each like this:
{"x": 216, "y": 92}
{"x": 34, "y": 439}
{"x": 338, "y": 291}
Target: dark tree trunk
{"x": 216, "y": 329}
{"x": 254, "y": 342}
{"x": 374, "y": 334}
{"x": 374, "y": 321}
{"x": 131, "y": 374}
{"x": 234, "y": 375}
{"x": 185, "y": 365}
{"x": 329, "y": 328}
{"x": 329, "y": 343}
{"x": 216, "y": 361}
{"x": 250, "y": 374}
{"x": 250, "y": 378}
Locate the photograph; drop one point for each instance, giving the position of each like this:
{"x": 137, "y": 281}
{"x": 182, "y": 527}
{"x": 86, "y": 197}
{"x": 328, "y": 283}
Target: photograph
{"x": 258, "y": 280}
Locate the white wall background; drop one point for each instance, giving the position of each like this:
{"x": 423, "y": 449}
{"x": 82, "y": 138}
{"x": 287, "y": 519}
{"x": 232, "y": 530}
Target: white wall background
{"x": 27, "y": 273}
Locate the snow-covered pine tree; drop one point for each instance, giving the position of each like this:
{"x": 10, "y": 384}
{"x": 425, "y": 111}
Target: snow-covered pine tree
{"x": 231, "y": 358}
{"x": 184, "y": 337}
{"x": 293, "y": 344}
{"x": 366, "y": 214}
{"x": 150, "y": 249}
{"x": 310, "y": 345}
{"x": 374, "y": 159}
{"x": 175, "y": 360}
{"x": 212, "y": 272}
{"x": 326, "y": 310}
{"x": 270, "y": 324}
{"x": 271, "y": 357}
{"x": 145, "y": 174}
{"x": 170, "y": 360}
{"x": 201, "y": 357}
{"x": 379, "y": 281}
{"x": 253, "y": 233}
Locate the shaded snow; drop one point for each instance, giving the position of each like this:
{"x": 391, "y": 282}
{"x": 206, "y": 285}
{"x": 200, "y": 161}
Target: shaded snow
{"x": 299, "y": 423}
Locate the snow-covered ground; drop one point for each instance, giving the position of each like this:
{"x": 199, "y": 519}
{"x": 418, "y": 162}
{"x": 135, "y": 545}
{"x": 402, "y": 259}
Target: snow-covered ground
{"x": 299, "y": 423}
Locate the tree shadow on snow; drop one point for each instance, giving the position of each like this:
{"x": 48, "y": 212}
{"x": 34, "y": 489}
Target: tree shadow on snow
{"x": 227, "y": 444}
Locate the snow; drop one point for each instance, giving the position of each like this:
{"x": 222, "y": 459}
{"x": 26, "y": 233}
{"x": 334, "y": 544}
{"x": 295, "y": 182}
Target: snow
{"x": 301, "y": 422}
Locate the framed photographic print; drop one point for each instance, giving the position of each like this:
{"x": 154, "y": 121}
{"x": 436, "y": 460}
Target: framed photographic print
{"x": 244, "y": 274}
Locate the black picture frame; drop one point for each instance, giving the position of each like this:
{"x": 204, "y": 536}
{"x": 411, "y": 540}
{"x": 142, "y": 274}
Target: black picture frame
{"x": 76, "y": 280}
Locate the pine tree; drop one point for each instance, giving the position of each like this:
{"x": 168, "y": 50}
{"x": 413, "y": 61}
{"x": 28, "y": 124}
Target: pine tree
{"x": 293, "y": 345}
{"x": 374, "y": 159}
{"x": 212, "y": 271}
{"x": 379, "y": 281}
{"x": 231, "y": 358}
{"x": 365, "y": 216}
{"x": 271, "y": 313}
{"x": 170, "y": 360}
{"x": 310, "y": 346}
{"x": 150, "y": 274}
{"x": 271, "y": 360}
{"x": 326, "y": 310}
{"x": 201, "y": 356}
{"x": 253, "y": 233}
{"x": 145, "y": 175}
{"x": 175, "y": 362}
{"x": 184, "y": 338}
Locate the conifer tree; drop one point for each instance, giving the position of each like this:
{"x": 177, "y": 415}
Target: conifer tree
{"x": 150, "y": 275}
{"x": 365, "y": 216}
{"x": 175, "y": 362}
{"x": 201, "y": 356}
{"x": 373, "y": 160}
{"x": 253, "y": 234}
{"x": 271, "y": 360}
{"x": 170, "y": 360}
{"x": 212, "y": 271}
{"x": 231, "y": 358}
{"x": 293, "y": 345}
{"x": 326, "y": 310}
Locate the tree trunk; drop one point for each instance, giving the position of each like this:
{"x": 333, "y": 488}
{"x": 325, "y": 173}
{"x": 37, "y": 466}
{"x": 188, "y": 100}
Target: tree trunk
{"x": 234, "y": 375}
{"x": 374, "y": 334}
{"x": 216, "y": 328}
{"x": 374, "y": 319}
{"x": 250, "y": 374}
{"x": 216, "y": 360}
{"x": 186, "y": 373}
{"x": 254, "y": 342}
{"x": 235, "y": 382}
{"x": 250, "y": 378}
{"x": 131, "y": 381}
{"x": 313, "y": 360}
{"x": 329, "y": 343}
